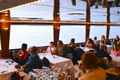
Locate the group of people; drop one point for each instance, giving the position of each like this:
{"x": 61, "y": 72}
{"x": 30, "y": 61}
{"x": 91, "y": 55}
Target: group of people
{"x": 116, "y": 46}
{"x": 27, "y": 61}
{"x": 94, "y": 56}
{"x": 93, "y": 61}
{"x": 90, "y": 65}
{"x": 74, "y": 51}
{"x": 65, "y": 50}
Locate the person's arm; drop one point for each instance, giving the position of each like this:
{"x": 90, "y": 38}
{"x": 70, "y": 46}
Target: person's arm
{"x": 29, "y": 61}
{"x": 48, "y": 50}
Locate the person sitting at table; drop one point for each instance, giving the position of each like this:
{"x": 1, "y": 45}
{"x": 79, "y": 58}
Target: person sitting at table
{"x": 117, "y": 38}
{"x": 72, "y": 43}
{"x": 113, "y": 73}
{"x": 116, "y": 48}
{"x": 95, "y": 40}
{"x": 33, "y": 62}
{"x": 90, "y": 45}
{"x": 103, "y": 53}
{"x": 51, "y": 48}
{"x": 70, "y": 48}
{"x": 59, "y": 48}
{"x": 102, "y": 43}
{"x": 89, "y": 63}
{"x": 77, "y": 54}
{"x": 23, "y": 54}
{"x": 19, "y": 74}
{"x": 99, "y": 52}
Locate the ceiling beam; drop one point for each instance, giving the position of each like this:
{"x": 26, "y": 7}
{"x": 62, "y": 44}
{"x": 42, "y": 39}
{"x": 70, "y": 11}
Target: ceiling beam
{"x": 6, "y": 4}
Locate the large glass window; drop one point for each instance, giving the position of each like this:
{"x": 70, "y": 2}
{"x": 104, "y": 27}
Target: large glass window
{"x": 114, "y": 30}
{"x": 42, "y": 9}
{"x": 72, "y": 31}
{"x": 115, "y": 14}
{"x": 33, "y": 35}
{"x": 98, "y": 14}
{"x": 68, "y": 11}
{"x": 97, "y": 31}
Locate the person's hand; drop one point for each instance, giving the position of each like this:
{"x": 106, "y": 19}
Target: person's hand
{"x": 81, "y": 66}
{"x": 22, "y": 68}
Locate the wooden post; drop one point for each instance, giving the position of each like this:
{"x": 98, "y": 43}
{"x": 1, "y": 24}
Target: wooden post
{"x": 87, "y": 19}
{"x": 5, "y": 31}
{"x": 108, "y": 21}
{"x": 56, "y": 22}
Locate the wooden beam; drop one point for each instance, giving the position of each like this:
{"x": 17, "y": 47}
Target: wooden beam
{"x": 62, "y": 22}
{"x": 56, "y": 22}
{"x": 108, "y": 21}
{"x": 6, "y": 4}
{"x": 5, "y": 31}
{"x": 87, "y": 19}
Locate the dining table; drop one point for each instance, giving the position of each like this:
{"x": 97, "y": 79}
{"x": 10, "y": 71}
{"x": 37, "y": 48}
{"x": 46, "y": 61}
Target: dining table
{"x": 7, "y": 67}
{"x": 60, "y": 68}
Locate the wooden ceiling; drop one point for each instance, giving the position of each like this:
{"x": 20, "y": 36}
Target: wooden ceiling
{"x": 6, "y": 4}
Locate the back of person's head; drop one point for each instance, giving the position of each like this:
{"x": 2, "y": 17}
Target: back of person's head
{"x": 102, "y": 36}
{"x": 60, "y": 43}
{"x": 90, "y": 43}
{"x": 34, "y": 50}
{"x": 90, "y": 60}
{"x": 72, "y": 40}
{"x": 52, "y": 44}
{"x": 117, "y": 38}
{"x": 116, "y": 46}
{"x": 18, "y": 66}
{"x": 95, "y": 38}
{"x": 24, "y": 46}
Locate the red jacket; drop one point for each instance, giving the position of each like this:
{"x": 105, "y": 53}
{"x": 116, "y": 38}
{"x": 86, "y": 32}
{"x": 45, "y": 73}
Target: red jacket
{"x": 23, "y": 55}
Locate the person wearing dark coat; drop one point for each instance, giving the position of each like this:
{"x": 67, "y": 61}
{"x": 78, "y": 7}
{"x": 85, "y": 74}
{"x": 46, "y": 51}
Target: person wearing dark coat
{"x": 34, "y": 62}
{"x": 77, "y": 54}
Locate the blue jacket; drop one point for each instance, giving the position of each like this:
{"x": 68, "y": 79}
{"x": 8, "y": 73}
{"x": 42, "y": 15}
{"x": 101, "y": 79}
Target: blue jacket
{"x": 34, "y": 62}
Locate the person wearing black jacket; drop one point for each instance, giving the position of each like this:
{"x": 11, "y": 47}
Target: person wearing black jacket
{"x": 77, "y": 54}
{"x": 34, "y": 62}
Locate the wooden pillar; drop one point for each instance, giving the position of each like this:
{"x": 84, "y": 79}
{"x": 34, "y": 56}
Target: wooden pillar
{"x": 88, "y": 19}
{"x": 5, "y": 31}
{"x": 56, "y": 22}
{"x": 104, "y": 3}
{"x": 108, "y": 21}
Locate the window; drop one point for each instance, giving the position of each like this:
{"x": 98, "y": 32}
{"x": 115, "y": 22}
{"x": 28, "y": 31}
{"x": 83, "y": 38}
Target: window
{"x": 114, "y": 30}
{"x": 97, "y": 31}
{"x": 33, "y": 35}
{"x": 115, "y": 14}
{"x": 99, "y": 14}
{"x": 72, "y": 31}
{"x": 41, "y": 9}
{"x": 72, "y": 12}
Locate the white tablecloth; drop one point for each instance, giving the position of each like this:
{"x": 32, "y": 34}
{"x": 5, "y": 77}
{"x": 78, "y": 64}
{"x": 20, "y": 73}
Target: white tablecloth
{"x": 116, "y": 60}
{"x": 54, "y": 59}
{"x": 62, "y": 66}
{"x": 7, "y": 66}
